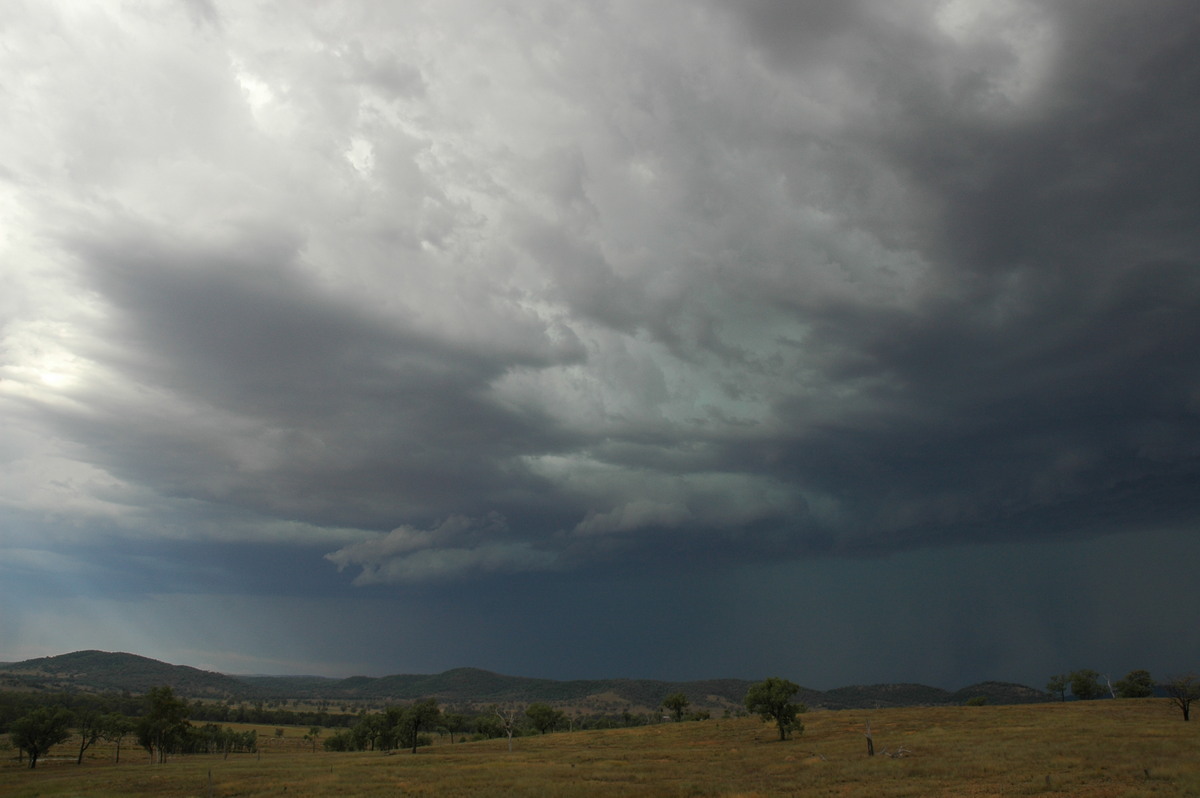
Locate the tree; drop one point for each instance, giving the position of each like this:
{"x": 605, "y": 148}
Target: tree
{"x": 40, "y": 730}
{"x": 90, "y": 730}
{"x": 1085, "y": 684}
{"x": 314, "y": 733}
{"x": 1183, "y": 690}
{"x": 1058, "y": 685}
{"x": 676, "y": 703}
{"x": 544, "y": 717}
{"x": 369, "y": 734}
{"x": 454, "y": 722}
{"x": 342, "y": 741}
{"x": 113, "y": 728}
{"x": 165, "y": 723}
{"x": 488, "y": 726}
{"x": 418, "y": 717}
{"x": 1136, "y": 684}
{"x": 772, "y": 701}
{"x": 507, "y": 718}
{"x": 391, "y": 728}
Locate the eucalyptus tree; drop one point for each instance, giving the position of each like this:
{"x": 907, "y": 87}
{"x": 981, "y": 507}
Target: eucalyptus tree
{"x": 544, "y": 717}
{"x": 91, "y": 728}
{"x": 771, "y": 700}
{"x": 114, "y": 728}
{"x": 676, "y": 704}
{"x": 40, "y": 730}
{"x": 418, "y": 717}
{"x": 165, "y": 723}
{"x": 1085, "y": 684}
{"x": 1136, "y": 684}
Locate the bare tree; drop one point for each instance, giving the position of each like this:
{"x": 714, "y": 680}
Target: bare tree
{"x": 508, "y": 721}
{"x": 1183, "y": 690}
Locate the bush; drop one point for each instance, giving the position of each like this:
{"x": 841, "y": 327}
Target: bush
{"x": 342, "y": 741}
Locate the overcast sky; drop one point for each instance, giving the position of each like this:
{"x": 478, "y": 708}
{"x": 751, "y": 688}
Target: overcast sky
{"x": 844, "y": 341}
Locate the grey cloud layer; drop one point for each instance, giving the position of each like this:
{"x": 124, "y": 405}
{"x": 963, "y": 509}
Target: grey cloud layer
{"x": 538, "y": 288}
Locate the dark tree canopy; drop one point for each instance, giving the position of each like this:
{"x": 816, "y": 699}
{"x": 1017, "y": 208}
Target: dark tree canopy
{"x": 1136, "y": 684}
{"x": 1058, "y": 685}
{"x": 1085, "y": 684}
{"x": 454, "y": 722}
{"x": 165, "y": 723}
{"x": 40, "y": 730}
{"x": 676, "y": 704}
{"x": 544, "y": 717}
{"x": 113, "y": 728}
{"x": 772, "y": 701}
{"x": 91, "y": 728}
{"x": 418, "y": 717}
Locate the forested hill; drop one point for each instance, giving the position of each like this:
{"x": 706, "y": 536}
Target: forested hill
{"x": 102, "y": 671}
{"x": 98, "y": 671}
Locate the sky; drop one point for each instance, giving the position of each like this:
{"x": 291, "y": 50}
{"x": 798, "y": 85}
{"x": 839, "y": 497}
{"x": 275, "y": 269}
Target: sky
{"x": 844, "y": 341}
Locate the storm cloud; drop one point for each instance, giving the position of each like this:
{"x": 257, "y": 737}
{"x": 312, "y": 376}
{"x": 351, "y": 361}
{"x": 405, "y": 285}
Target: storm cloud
{"x": 463, "y": 294}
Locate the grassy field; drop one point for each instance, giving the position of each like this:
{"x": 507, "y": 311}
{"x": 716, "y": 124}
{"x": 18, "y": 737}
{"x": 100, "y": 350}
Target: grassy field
{"x": 1098, "y": 749}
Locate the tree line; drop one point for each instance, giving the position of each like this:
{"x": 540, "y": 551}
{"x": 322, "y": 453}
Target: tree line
{"x": 161, "y": 722}
{"x": 16, "y": 704}
{"x": 1085, "y": 685}
{"x": 401, "y": 727}
{"x": 160, "y": 725}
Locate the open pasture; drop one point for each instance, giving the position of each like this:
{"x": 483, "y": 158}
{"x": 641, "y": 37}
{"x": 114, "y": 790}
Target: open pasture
{"x": 1097, "y": 749}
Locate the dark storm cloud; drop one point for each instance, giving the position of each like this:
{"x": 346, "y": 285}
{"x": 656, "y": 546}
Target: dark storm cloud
{"x": 1006, "y": 335}
{"x": 450, "y": 296}
{"x": 318, "y": 413}
{"x": 1048, "y": 384}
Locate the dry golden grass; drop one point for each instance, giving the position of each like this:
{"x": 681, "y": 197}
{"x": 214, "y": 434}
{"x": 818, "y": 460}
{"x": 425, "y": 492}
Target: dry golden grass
{"x": 1093, "y": 750}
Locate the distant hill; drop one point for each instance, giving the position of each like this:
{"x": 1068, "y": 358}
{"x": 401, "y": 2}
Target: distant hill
{"x": 884, "y": 695}
{"x": 908, "y": 695}
{"x": 99, "y": 671}
{"x": 103, "y": 671}
{"x": 1000, "y": 693}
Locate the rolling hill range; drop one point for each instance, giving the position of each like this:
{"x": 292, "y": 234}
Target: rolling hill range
{"x": 100, "y": 672}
